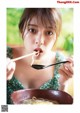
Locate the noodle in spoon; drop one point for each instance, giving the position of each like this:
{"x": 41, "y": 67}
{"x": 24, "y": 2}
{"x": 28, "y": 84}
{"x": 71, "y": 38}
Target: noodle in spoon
{"x": 33, "y": 58}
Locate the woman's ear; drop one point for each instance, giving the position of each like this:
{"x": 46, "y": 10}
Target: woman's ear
{"x": 55, "y": 39}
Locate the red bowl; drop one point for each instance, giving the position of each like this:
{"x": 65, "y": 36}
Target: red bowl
{"x": 53, "y": 95}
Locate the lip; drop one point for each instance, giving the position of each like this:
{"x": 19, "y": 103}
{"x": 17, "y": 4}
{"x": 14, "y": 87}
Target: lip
{"x": 38, "y": 50}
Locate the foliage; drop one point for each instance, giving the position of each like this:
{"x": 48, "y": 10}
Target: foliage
{"x": 13, "y": 17}
{"x": 65, "y": 40}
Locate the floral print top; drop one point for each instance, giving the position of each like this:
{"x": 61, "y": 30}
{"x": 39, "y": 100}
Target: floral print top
{"x": 14, "y": 84}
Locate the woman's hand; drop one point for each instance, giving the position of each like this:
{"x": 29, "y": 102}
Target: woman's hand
{"x": 10, "y": 68}
{"x": 66, "y": 70}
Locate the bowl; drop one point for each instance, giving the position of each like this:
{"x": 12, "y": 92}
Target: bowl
{"x": 52, "y": 95}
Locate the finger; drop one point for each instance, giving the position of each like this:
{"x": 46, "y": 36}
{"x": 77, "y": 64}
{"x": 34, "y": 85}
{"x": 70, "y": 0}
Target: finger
{"x": 11, "y": 66}
{"x": 10, "y": 70}
{"x": 68, "y": 68}
{"x": 66, "y": 71}
{"x": 8, "y": 61}
{"x": 63, "y": 74}
{"x": 10, "y": 74}
{"x": 70, "y": 61}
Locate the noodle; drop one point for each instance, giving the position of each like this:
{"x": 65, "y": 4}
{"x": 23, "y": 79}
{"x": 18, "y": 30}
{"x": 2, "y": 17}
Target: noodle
{"x": 33, "y": 57}
{"x": 34, "y": 100}
{"x": 32, "y": 60}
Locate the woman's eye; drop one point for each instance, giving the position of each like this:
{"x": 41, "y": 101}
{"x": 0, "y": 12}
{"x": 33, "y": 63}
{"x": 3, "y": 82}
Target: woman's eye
{"x": 32, "y": 30}
{"x": 49, "y": 33}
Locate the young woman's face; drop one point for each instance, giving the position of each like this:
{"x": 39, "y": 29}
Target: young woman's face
{"x": 39, "y": 38}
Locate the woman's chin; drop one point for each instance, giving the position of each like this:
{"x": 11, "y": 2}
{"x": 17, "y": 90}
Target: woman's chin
{"x": 37, "y": 57}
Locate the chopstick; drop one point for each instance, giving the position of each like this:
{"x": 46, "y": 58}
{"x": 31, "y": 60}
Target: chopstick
{"x": 24, "y": 56}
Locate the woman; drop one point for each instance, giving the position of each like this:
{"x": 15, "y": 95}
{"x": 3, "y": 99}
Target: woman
{"x": 39, "y": 28}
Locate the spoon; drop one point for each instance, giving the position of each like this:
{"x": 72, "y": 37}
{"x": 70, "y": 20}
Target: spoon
{"x": 38, "y": 67}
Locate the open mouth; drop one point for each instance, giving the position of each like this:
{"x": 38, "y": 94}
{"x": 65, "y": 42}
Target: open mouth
{"x": 38, "y": 50}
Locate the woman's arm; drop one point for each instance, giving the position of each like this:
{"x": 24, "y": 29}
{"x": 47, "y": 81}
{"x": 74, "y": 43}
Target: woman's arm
{"x": 10, "y": 66}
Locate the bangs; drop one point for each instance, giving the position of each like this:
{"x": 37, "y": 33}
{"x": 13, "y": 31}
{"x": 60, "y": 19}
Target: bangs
{"x": 43, "y": 17}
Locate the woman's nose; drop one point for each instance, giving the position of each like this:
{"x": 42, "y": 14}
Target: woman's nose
{"x": 39, "y": 40}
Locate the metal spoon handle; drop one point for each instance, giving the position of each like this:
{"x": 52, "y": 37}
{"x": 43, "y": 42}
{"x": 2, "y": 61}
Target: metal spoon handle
{"x": 56, "y": 63}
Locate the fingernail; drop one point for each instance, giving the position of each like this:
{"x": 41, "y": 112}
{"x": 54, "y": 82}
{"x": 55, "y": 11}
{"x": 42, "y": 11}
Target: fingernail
{"x": 66, "y": 67}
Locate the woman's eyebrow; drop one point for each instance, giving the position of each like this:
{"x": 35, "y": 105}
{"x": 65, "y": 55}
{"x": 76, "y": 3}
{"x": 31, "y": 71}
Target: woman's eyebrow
{"x": 50, "y": 27}
{"x": 34, "y": 25}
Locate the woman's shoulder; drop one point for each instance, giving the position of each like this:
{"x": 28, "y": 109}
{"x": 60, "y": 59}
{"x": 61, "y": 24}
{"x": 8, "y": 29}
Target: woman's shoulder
{"x": 60, "y": 56}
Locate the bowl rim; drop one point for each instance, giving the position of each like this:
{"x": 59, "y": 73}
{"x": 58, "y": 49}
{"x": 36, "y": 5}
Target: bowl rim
{"x": 25, "y": 90}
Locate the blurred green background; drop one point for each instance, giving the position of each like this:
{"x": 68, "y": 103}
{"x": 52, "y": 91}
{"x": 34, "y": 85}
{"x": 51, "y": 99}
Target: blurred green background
{"x": 64, "y": 42}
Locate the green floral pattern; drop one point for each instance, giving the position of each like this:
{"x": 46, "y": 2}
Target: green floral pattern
{"x": 14, "y": 84}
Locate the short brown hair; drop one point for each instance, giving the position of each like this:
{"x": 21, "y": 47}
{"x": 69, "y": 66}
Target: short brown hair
{"x": 51, "y": 15}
